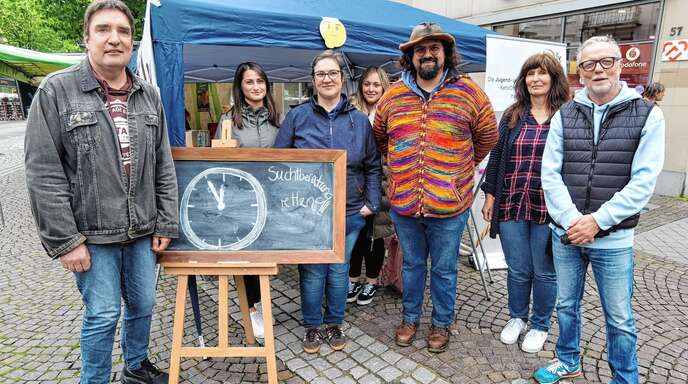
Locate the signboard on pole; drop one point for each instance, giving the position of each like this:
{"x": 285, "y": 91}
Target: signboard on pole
{"x": 504, "y": 58}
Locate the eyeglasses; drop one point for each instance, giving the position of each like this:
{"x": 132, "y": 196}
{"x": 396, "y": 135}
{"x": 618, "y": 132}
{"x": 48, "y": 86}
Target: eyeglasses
{"x": 605, "y": 63}
{"x": 333, "y": 75}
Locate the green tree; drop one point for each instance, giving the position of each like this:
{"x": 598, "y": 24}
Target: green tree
{"x": 53, "y": 25}
{"x": 24, "y": 24}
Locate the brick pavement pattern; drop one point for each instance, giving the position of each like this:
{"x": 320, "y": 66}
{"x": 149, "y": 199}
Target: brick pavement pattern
{"x": 663, "y": 242}
{"x": 40, "y": 315}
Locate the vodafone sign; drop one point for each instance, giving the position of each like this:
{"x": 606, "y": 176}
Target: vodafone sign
{"x": 636, "y": 58}
{"x": 675, "y": 50}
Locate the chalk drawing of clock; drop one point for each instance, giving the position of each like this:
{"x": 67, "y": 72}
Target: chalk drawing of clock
{"x": 223, "y": 209}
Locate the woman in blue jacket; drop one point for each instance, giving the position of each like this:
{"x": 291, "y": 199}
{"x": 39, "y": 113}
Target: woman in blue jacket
{"x": 329, "y": 121}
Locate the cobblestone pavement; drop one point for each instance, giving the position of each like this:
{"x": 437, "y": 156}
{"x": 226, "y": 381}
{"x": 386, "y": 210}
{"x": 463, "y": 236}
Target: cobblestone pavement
{"x": 40, "y": 315}
{"x": 663, "y": 242}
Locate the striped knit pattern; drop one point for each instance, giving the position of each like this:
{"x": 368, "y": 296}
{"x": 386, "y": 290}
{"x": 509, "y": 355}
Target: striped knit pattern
{"x": 433, "y": 147}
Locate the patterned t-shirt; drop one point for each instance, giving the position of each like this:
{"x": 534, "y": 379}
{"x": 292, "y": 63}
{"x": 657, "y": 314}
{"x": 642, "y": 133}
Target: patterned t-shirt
{"x": 116, "y": 101}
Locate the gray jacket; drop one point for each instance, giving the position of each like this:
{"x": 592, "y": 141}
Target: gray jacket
{"x": 256, "y": 132}
{"x": 78, "y": 188}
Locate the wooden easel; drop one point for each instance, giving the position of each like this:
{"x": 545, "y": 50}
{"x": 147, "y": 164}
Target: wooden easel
{"x": 226, "y": 138}
{"x": 223, "y": 349}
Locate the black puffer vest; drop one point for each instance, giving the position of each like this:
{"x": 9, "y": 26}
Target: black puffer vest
{"x": 593, "y": 173}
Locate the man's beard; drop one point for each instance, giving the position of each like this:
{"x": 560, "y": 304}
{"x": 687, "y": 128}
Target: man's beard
{"x": 426, "y": 73}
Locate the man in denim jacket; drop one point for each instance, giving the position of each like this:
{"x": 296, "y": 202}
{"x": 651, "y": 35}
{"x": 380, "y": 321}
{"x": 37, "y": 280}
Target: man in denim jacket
{"x": 103, "y": 190}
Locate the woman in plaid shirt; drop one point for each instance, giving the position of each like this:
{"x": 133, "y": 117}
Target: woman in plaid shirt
{"x": 514, "y": 201}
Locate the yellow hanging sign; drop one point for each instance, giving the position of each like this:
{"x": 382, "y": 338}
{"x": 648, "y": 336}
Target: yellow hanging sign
{"x": 333, "y": 32}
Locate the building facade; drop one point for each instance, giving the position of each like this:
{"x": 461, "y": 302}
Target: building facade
{"x": 653, "y": 35}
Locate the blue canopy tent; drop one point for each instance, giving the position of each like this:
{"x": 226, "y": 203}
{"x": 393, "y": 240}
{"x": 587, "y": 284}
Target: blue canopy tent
{"x": 205, "y": 40}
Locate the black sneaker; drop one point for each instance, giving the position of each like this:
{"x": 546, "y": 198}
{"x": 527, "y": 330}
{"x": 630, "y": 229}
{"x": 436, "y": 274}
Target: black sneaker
{"x": 146, "y": 374}
{"x": 335, "y": 337}
{"x": 367, "y": 294}
{"x": 312, "y": 340}
{"x": 354, "y": 290}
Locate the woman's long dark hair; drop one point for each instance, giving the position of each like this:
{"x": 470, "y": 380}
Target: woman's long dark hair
{"x": 558, "y": 92}
{"x": 240, "y": 100}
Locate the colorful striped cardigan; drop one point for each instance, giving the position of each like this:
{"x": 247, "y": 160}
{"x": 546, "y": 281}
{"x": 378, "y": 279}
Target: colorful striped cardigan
{"x": 432, "y": 147}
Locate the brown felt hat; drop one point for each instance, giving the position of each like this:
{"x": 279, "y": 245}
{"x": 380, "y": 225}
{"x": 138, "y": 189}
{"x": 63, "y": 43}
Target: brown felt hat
{"x": 426, "y": 31}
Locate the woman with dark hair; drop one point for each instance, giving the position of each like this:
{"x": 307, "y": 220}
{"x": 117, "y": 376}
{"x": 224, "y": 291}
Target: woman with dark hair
{"x": 514, "y": 200}
{"x": 255, "y": 125}
{"x": 254, "y": 116}
{"x": 654, "y": 92}
{"x": 329, "y": 121}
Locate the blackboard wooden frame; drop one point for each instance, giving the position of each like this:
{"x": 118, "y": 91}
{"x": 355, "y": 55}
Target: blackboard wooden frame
{"x": 334, "y": 255}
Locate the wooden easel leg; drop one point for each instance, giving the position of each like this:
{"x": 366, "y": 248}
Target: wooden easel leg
{"x": 243, "y": 305}
{"x": 222, "y": 321}
{"x": 178, "y": 329}
{"x": 269, "y": 335}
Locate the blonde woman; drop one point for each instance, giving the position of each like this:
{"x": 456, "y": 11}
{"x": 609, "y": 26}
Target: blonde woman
{"x": 370, "y": 245}
{"x": 373, "y": 84}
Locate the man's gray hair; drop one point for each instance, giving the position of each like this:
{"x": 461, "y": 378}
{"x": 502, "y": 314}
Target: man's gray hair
{"x": 598, "y": 40}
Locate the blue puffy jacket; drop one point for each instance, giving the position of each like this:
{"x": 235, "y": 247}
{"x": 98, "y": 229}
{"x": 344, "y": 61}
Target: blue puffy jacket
{"x": 310, "y": 126}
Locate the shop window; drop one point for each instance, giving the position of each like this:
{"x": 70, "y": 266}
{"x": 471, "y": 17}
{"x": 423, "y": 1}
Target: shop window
{"x": 626, "y": 24}
{"x": 633, "y": 27}
{"x": 295, "y": 94}
{"x": 545, "y": 29}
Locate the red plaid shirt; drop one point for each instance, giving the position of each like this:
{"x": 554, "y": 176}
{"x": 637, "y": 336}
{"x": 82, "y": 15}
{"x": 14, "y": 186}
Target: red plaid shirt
{"x": 523, "y": 198}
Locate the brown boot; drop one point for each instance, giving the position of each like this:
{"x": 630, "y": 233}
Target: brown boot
{"x": 438, "y": 339}
{"x": 405, "y": 334}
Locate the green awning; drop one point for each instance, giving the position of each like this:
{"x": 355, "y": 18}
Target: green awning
{"x": 31, "y": 66}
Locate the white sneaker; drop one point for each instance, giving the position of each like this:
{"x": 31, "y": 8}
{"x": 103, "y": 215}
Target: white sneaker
{"x": 257, "y": 323}
{"x": 534, "y": 341}
{"x": 512, "y": 330}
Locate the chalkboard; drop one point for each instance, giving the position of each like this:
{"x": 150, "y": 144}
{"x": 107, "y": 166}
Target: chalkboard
{"x": 264, "y": 205}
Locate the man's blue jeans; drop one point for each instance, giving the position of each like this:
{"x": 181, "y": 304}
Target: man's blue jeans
{"x": 613, "y": 271}
{"x": 530, "y": 269}
{"x": 329, "y": 280}
{"x": 440, "y": 239}
{"x": 118, "y": 272}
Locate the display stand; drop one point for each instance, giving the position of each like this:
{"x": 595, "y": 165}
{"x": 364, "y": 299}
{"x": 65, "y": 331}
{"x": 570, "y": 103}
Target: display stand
{"x": 226, "y": 140}
{"x": 223, "y": 270}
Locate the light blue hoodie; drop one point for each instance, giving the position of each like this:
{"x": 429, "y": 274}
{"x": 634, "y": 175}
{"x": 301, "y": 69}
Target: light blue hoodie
{"x": 410, "y": 80}
{"x": 646, "y": 166}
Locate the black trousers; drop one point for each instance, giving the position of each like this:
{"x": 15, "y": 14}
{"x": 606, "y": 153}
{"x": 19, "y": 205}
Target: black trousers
{"x": 252, "y": 283}
{"x": 373, "y": 251}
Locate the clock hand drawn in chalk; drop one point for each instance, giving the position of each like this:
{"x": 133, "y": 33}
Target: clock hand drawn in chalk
{"x": 223, "y": 209}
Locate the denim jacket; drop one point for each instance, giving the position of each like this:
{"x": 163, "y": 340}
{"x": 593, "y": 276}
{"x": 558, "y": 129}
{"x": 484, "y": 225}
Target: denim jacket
{"x": 78, "y": 188}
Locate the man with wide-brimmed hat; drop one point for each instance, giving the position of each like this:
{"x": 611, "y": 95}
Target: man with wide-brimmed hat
{"x": 434, "y": 126}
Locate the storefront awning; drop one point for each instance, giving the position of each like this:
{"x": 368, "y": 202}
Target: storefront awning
{"x": 31, "y": 66}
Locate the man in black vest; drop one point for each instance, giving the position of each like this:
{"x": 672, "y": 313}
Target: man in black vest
{"x": 604, "y": 152}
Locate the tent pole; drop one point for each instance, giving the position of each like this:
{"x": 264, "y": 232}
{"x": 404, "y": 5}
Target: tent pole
{"x": 348, "y": 64}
